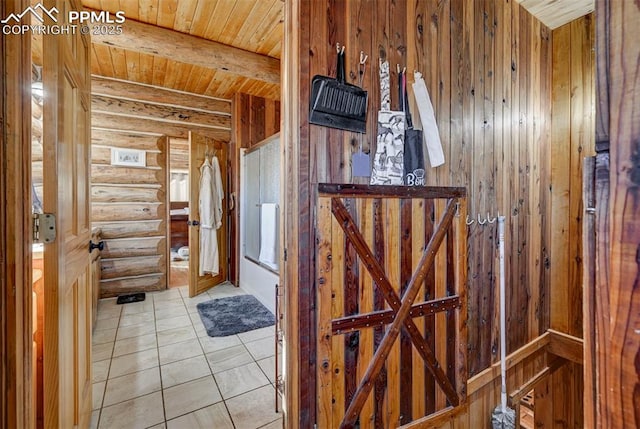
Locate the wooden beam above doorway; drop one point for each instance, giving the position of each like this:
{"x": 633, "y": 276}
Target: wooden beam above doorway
{"x": 116, "y": 122}
{"x": 153, "y": 94}
{"x": 170, "y": 44}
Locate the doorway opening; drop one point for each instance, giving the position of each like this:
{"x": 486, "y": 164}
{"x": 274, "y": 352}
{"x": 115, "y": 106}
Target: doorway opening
{"x": 179, "y": 212}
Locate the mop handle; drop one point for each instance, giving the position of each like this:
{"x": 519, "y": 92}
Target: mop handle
{"x": 503, "y": 323}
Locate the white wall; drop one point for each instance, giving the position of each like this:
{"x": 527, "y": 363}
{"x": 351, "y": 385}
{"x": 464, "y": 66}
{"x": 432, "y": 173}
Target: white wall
{"x": 254, "y": 279}
{"x": 259, "y": 282}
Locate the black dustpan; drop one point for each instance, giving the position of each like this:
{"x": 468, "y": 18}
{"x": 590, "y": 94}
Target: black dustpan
{"x": 337, "y": 104}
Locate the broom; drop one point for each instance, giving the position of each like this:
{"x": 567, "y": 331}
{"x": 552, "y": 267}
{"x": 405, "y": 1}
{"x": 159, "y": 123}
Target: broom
{"x": 502, "y": 417}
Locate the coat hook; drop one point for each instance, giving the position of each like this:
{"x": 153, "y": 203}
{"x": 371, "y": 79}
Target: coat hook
{"x": 489, "y": 218}
{"x": 363, "y": 57}
{"x": 469, "y": 221}
{"x": 480, "y": 222}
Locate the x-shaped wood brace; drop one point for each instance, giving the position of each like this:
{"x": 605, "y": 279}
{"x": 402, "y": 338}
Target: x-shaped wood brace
{"x": 400, "y": 307}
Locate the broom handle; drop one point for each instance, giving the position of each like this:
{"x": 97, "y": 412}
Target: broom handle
{"x": 503, "y": 323}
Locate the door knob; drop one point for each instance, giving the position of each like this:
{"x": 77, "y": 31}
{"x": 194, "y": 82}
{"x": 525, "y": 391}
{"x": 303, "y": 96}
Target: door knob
{"x": 99, "y": 246}
{"x": 193, "y": 223}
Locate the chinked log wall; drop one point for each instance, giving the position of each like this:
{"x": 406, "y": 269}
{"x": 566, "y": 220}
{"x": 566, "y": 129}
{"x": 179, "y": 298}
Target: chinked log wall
{"x": 130, "y": 204}
{"x": 489, "y": 66}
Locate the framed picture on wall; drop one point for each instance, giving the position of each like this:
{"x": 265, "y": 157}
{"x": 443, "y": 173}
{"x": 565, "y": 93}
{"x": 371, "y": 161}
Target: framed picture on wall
{"x": 128, "y": 157}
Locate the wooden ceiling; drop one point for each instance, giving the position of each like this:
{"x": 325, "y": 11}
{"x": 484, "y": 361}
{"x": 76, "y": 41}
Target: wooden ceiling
{"x": 556, "y": 13}
{"x": 188, "y": 38}
{"x": 163, "y": 55}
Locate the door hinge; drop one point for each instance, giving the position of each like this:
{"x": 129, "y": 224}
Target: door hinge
{"x": 285, "y": 255}
{"x": 44, "y": 228}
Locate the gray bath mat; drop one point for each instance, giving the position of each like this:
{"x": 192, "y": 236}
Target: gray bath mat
{"x": 233, "y": 315}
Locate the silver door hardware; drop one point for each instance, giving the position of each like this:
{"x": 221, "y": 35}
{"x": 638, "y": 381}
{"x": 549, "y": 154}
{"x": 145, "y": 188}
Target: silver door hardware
{"x": 44, "y": 228}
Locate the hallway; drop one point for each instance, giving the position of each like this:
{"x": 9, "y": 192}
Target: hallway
{"x": 155, "y": 367}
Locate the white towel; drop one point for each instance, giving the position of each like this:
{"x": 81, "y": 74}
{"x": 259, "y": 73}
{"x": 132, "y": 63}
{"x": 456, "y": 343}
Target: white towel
{"x": 269, "y": 235}
{"x": 428, "y": 119}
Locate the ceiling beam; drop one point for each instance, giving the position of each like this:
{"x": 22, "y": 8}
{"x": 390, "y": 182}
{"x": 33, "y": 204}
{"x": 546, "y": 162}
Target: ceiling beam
{"x": 188, "y": 49}
{"x": 153, "y": 94}
{"x": 107, "y": 121}
{"x": 158, "y": 112}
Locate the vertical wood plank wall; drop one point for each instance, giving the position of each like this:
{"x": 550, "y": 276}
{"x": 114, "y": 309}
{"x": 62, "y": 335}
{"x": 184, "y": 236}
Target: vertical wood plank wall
{"x": 488, "y": 66}
{"x": 253, "y": 119}
{"x": 573, "y": 138}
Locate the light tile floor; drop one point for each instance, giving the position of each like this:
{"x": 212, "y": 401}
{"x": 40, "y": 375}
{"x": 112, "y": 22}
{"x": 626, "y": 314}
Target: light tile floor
{"x": 155, "y": 367}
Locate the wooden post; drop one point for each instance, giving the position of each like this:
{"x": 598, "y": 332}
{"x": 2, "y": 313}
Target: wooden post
{"x": 618, "y": 303}
{"x": 588, "y": 282}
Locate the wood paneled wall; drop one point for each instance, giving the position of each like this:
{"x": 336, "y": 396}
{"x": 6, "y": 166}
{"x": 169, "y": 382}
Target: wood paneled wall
{"x": 488, "y": 66}
{"x": 130, "y": 206}
{"x": 573, "y": 139}
{"x": 253, "y": 120}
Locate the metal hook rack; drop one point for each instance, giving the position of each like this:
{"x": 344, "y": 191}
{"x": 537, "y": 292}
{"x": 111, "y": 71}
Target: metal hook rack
{"x": 485, "y": 220}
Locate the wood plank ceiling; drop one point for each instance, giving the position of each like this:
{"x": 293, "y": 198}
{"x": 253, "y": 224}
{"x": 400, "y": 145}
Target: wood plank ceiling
{"x": 253, "y": 26}
{"x": 556, "y": 13}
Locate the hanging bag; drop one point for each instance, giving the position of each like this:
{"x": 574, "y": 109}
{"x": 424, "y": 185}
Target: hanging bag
{"x": 414, "y": 172}
{"x": 388, "y": 162}
{"x": 428, "y": 119}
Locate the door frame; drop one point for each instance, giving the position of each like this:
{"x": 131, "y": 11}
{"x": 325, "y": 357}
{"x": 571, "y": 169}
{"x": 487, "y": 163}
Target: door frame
{"x": 16, "y": 236}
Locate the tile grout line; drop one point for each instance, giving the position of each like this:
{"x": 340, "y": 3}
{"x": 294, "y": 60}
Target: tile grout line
{"x": 104, "y": 393}
{"x": 155, "y": 328}
{"x": 224, "y": 403}
{"x": 200, "y": 342}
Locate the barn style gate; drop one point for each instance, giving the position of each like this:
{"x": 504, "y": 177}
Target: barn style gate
{"x": 390, "y": 305}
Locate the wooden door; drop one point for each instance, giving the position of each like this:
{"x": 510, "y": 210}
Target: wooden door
{"x": 199, "y": 146}
{"x": 67, "y": 294}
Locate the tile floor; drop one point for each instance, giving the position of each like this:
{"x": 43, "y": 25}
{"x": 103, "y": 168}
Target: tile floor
{"x": 155, "y": 367}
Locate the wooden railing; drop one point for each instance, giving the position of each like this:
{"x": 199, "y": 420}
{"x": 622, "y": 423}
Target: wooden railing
{"x": 390, "y": 305}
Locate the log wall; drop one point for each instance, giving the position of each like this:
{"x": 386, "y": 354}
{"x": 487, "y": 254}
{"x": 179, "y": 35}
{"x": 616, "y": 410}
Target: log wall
{"x": 489, "y": 67}
{"x": 131, "y": 204}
